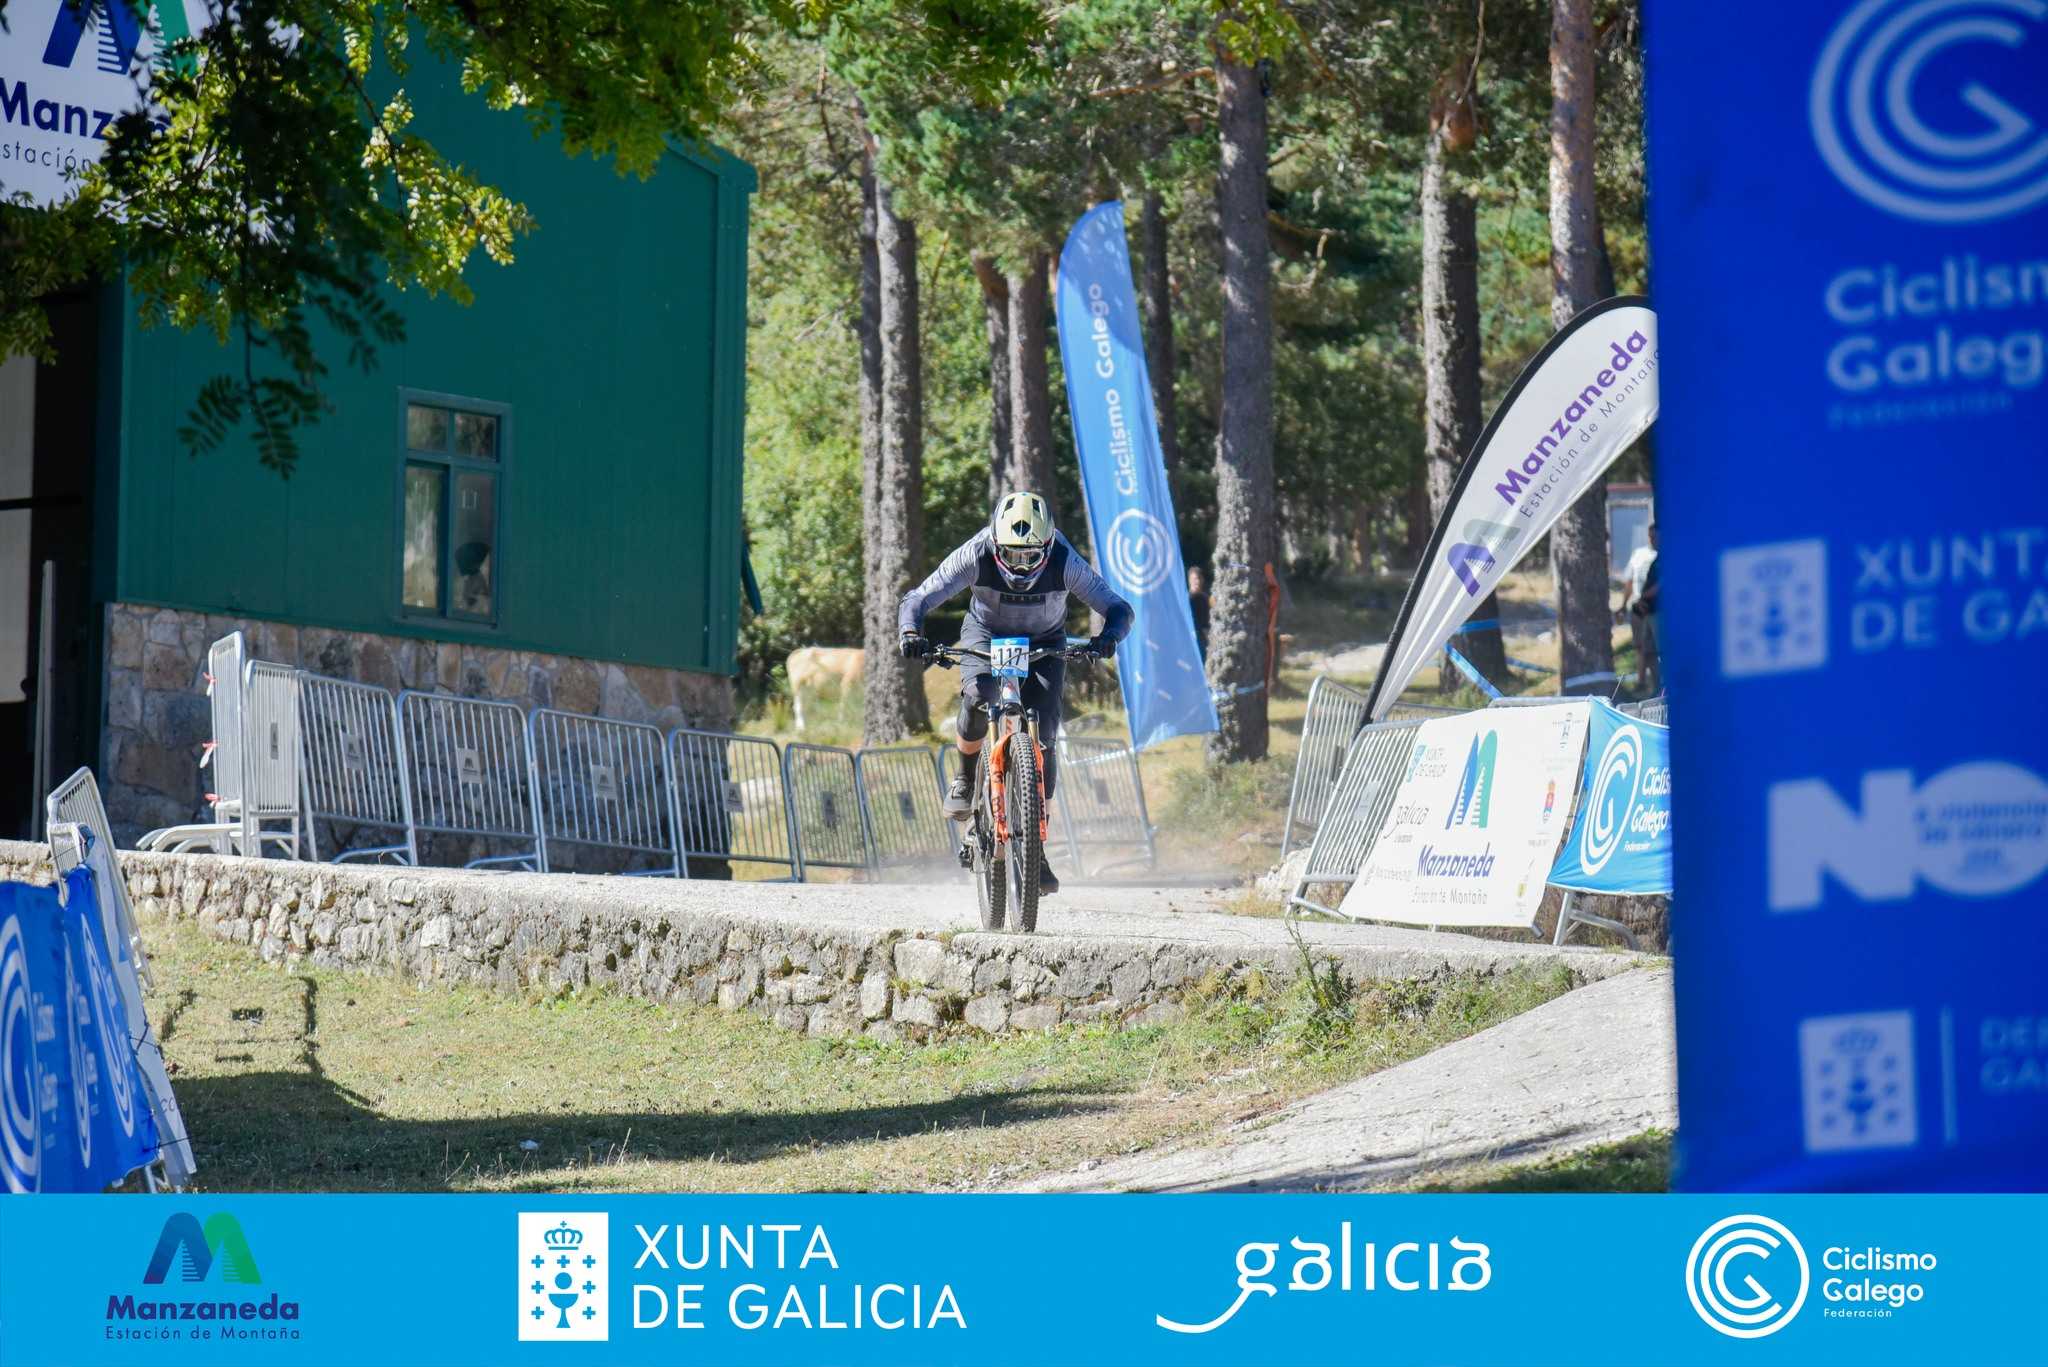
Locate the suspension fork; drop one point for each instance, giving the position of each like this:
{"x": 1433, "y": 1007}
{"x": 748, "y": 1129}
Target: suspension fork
{"x": 995, "y": 769}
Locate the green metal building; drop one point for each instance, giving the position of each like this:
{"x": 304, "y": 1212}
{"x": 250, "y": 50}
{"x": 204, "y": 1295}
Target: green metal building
{"x": 535, "y": 497}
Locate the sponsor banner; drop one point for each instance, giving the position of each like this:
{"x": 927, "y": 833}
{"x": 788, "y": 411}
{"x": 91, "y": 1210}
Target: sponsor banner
{"x": 1583, "y": 401}
{"x": 67, "y": 72}
{"x": 1621, "y": 837}
{"x": 1130, "y": 506}
{"x": 1851, "y": 257}
{"x": 1475, "y": 825}
{"x": 73, "y": 1113}
{"x": 1081, "y": 1281}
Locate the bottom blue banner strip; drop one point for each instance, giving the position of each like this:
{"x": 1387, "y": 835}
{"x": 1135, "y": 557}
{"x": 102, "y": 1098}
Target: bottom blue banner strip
{"x": 996, "y": 1280}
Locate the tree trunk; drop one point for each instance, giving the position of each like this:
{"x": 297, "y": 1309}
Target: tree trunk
{"x": 892, "y": 487}
{"x": 869, "y": 328}
{"x": 995, "y": 317}
{"x": 1159, "y": 351}
{"x": 1450, "y": 337}
{"x": 1246, "y": 521}
{"x": 1415, "y": 519}
{"x": 1578, "y": 545}
{"x": 1030, "y": 399}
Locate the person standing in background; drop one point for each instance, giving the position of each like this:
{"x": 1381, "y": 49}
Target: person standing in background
{"x": 1198, "y": 603}
{"x": 1639, "y": 601}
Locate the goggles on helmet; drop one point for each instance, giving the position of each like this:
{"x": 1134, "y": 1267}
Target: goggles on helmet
{"x": 1021, "y": 559}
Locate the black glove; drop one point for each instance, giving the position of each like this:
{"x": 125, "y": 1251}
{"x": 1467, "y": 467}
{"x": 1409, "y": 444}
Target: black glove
{"x": 1102, "y": 648}
{"x": 914, "y": 646}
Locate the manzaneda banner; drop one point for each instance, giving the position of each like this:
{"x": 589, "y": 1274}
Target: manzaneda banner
{"x": 1476, "y": 823}
{"x": 1582, "y": 402}
{"x": 67, "y": 72}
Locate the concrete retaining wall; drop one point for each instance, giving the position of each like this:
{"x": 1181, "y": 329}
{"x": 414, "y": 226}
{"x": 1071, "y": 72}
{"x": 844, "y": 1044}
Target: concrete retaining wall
{"x": 844, "y": 966}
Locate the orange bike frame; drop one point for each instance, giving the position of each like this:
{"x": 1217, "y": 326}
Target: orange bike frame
{"x": 998, "y": 762}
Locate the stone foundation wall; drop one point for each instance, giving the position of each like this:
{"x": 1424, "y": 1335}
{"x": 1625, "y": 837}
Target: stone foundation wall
{"x": 158, "y": 717}
{"x": 740, "y": 947}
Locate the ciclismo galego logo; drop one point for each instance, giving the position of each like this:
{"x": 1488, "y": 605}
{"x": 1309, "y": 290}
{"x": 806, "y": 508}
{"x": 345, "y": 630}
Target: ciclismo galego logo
{"x": 1612, "y": 810}
{"x": 1138, "y": 552}
{"x": 1748, "y": 1277}
{"x": 21, "y": 1145}
{"x": 200, "y": 1286}
{"x": 1931, "y": 109}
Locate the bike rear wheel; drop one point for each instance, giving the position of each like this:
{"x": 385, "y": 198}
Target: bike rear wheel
{"x": 1023, "y": 806}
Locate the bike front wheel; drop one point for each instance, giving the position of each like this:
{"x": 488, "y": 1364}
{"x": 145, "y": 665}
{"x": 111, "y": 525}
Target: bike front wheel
{"x": 991, "y": 886}
{"x": 1024, "y": 806}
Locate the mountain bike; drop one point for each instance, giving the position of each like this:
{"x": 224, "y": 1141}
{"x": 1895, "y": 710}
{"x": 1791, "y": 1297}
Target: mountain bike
{"x": 1003, "y": 839}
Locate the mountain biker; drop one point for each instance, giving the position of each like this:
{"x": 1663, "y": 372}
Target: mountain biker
{"x": 1021, "y": 571}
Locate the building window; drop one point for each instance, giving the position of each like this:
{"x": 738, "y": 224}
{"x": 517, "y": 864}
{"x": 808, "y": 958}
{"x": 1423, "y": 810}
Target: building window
{"x": 454, "y": 457}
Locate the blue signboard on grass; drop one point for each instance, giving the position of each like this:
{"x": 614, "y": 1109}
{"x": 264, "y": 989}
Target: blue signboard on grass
{"x": 1621, "y": 839}
{"x": 1849, "y": 224}
{"x": 74, "y": 1115}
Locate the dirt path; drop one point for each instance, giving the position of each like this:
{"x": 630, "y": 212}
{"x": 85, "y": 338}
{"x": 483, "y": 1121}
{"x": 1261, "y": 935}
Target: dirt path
{"x": 1593, "y": 1066}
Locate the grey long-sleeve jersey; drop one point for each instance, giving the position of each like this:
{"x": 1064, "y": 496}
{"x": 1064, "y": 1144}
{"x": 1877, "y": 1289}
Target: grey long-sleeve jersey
{"x": 1038, "y": 611}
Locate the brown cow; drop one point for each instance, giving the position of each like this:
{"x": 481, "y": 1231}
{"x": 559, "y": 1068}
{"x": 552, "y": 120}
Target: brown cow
{"x": 814, "y": 667}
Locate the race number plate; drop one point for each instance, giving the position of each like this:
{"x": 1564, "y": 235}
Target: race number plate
{"x": 1010, "y": 657}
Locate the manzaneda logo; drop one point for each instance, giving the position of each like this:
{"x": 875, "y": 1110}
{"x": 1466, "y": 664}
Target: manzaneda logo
{"x": 188, "y": 1251}
{"x": 117, "y": 30}
{"x": 1475, "y": 788}
{"x": 197, "y": 1247}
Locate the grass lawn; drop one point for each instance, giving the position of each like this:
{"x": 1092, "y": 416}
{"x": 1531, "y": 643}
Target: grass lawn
{"x": 315, "y": 1080}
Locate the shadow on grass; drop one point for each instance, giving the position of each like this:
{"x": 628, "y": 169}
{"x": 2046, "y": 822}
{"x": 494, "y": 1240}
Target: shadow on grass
{"x": 299, "y": 1130}
{"x": 296, "y": 1128}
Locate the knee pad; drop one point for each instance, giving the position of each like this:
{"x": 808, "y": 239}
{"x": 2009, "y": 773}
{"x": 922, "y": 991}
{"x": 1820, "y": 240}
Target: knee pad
{"x": 973, "y": 721}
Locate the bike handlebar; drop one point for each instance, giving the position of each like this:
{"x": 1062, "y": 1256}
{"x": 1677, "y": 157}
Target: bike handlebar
{"x": 947, "y": 657}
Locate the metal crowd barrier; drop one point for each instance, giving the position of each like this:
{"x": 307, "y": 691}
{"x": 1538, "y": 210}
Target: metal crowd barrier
{"x": 901, "y": 787}
{"x": 223, "y": 755}
{"x": 77, "y": 801}
{"x": 730, "y": 800}
{"x": 1100, "y": 802}
{"x": 1335, "y": 712}
{"x": 823, "y": 784}
{"x": 80, "y": 834}
{"x": 470, "y": 769}
{"x": 270, "y": 757}
{"x": 604, "y": 783}
{"x": 352, "y": 768}
{"x": 1357, "y": 809}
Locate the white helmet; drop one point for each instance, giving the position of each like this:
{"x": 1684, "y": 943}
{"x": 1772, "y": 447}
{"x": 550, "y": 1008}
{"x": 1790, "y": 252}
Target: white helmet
{"x": 1022, "y": 527}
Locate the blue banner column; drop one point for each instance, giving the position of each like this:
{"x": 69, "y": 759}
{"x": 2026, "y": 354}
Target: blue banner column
{"x": 1849, "y": 220}
{"x": 1130, "y": 504}
{"x": 74, "y": 1109}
